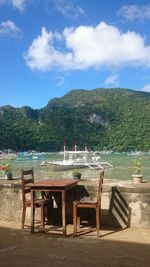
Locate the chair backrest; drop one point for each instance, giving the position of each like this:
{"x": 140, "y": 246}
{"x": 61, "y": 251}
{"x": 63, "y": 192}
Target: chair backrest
{"x": 100, "y": 187}
{"x": 27, "y": 176}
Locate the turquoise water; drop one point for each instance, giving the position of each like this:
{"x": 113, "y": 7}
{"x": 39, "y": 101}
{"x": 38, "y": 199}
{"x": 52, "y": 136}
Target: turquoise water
{"x": 124, "y": 166}
{"x": 122, "y": 162}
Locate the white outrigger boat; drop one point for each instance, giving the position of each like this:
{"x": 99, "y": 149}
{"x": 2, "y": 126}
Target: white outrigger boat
{"x": 78, "y": 159}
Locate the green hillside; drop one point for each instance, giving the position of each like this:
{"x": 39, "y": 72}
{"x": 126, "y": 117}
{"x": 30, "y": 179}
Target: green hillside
{"x": 117, "y": 119}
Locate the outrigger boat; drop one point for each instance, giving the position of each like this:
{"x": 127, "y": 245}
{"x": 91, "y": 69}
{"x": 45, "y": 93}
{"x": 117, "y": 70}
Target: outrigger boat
{"x": 78, "y": 159}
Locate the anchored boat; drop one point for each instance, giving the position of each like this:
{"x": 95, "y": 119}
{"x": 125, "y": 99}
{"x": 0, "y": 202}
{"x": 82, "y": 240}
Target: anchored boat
{"x": 78, "y": 159}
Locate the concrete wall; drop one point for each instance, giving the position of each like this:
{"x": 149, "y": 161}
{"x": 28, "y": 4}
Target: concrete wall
{"x": 10, "y": 200}
{"x": 123, "y": 203}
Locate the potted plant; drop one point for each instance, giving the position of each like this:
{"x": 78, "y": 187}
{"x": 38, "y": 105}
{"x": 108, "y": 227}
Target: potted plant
{"x": 6, "y": 169}
{"x": 137, "y": 176}
{"x": 76, "y": 174}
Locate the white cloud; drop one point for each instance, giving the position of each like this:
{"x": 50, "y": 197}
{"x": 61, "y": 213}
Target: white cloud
{"x": 17, "y": 4}
{"x": 135, "y": 12}
{"x": 146, "y": 88}
{"x": 111, "y": 80}
{"x": 87, "y": 47}
{"x": 41, "y": 55}
{"x": 8, "y": 29}
{"x": 68, "y": 9}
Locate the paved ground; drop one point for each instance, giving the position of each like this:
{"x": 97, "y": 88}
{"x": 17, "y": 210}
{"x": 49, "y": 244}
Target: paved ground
{"x": 128, "y": 247}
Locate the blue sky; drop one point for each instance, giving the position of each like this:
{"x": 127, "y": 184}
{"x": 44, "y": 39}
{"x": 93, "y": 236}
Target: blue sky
{"x": 50, "y": 47}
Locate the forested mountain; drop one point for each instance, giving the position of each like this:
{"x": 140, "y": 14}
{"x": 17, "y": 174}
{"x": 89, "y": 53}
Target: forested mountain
{"x": 117, "y": 119}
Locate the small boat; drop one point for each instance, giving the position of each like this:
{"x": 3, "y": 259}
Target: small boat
{"x": 43, "y": 163}
{"x": 78, "y": 159}
{"x": 135, "y": 153}
{"x": 28, "y": 156}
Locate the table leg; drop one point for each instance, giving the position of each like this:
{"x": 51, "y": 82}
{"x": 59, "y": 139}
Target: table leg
{"x": 74, "y": 193}
{"x": 64, "y": 212}
{"x": 32, "y": 210}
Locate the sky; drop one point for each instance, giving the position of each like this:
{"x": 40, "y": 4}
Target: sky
{"x": 49, "y": 47}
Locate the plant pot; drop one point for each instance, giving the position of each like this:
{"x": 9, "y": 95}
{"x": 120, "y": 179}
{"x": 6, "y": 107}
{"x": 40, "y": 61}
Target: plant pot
{"x": 137, "y": 178}
{"x": 8, "y": 176}
{"x": 77, "y": 176}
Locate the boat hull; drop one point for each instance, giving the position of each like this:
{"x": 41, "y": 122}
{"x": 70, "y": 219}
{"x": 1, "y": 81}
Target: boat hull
{"x": 59, "y": 167}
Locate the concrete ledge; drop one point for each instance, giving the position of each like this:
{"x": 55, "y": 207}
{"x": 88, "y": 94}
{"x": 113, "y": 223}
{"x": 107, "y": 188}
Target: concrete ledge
{"x": 124, "y": 204}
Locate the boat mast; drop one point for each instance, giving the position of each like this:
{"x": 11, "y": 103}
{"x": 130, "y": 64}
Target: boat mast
{"x": 86, "y": 150}
{"x": 64, "y": 150}
{"x": 75, "y": 148}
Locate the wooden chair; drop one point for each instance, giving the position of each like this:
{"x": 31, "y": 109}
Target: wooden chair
{"x": 27, "y": 177}
{"x": 89, "y": 202}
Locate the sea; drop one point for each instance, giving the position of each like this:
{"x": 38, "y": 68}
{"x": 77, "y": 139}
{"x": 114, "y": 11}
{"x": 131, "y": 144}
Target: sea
{"x": 123, "y": 166}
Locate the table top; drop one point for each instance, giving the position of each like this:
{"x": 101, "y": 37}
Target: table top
{"x": 54, "y": 184}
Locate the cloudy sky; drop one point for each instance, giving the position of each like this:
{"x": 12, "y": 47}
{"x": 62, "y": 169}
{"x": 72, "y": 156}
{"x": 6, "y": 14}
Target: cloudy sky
{"x": 49, "y": 47}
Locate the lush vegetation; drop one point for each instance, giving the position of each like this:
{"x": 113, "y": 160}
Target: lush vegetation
{"x": 116, "y": 119}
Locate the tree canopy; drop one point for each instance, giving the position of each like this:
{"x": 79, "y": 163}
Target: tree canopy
{"x": 104, "y": 119}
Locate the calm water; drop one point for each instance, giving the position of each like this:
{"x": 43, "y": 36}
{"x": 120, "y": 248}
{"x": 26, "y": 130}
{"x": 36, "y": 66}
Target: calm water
{"x": 123, "y": 167}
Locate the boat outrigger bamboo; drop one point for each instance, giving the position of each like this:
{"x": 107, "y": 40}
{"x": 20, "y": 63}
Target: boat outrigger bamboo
{"x": 78, "y": 159}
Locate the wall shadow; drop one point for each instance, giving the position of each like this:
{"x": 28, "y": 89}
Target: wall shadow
{"x": 118, "y": 215}
{"x": 119, "y": 209}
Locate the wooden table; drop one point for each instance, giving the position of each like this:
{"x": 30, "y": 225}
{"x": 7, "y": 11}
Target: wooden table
{"x": 62, "y": 186}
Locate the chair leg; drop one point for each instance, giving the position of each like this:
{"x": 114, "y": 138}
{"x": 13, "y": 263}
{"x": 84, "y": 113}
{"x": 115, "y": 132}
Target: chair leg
{"x": 74, "y": 220}
{"x": 97, "y": 220}
{"x": 23, "y": 217}
{"x": 42, "y": 217}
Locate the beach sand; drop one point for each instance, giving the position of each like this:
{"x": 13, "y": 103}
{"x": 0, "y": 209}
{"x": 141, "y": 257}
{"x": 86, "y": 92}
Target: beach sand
{"x": 116, "y": 247}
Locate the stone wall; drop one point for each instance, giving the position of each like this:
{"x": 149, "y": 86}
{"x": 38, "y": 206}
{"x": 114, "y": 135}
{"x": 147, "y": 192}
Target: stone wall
{"x": 124, "y": 204}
